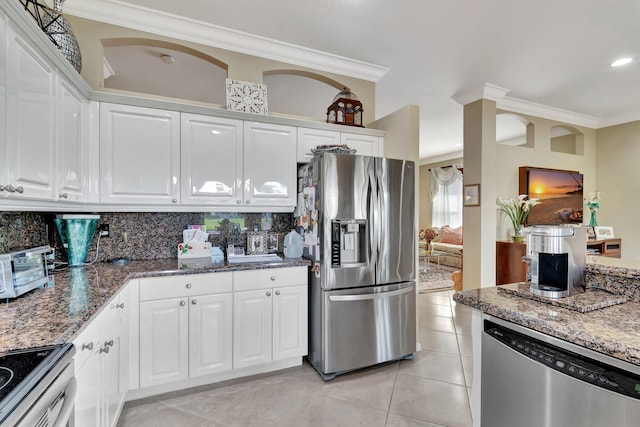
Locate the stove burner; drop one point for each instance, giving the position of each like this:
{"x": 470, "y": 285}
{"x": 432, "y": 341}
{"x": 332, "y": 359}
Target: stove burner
{"x": 6, "y": 375}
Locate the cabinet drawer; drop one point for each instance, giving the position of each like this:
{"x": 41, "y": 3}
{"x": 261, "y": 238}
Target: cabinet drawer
{"x": 269, "y": 278}
{"x": 185, "y": 286}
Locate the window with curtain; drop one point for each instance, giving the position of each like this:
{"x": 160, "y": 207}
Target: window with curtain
{"x": 446, "y": 196}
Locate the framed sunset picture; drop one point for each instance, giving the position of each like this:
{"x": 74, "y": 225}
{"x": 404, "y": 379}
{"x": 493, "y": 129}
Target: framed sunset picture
{"x": 559, "y": 192}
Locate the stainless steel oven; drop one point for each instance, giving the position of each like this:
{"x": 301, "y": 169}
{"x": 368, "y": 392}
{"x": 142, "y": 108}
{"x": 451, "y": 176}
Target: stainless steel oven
{"x": 37, "y": 387}
{"x": 22, "y": 271}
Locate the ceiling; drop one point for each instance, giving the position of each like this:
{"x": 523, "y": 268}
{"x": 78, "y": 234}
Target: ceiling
{"x": 551, "y": 56}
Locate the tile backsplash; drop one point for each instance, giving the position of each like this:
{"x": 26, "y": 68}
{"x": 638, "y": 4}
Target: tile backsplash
{"x": 135, "y": 235}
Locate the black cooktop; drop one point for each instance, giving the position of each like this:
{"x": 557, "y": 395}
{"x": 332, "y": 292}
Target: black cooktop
{"x": 22, "y": 370}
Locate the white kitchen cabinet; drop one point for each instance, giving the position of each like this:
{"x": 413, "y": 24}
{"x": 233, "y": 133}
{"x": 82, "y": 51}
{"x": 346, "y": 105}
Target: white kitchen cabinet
{"x": 211, "y": 160}
{"x": 270, "y": 172}
{"x": 210, "y": 334}
{"x": 185, "y": 327}
{"x": 269, "y": 315}
{"x": 3, "y": 100}
{"x": 366, "y": 145}
{"x": 101, "y": 363}
{"x": 72, "y": 157}
{"x": 139, "y": 155}
{"x": 164, "y": 341}
{"x": 311, "y": 138}
{"x": 29, "y": 154}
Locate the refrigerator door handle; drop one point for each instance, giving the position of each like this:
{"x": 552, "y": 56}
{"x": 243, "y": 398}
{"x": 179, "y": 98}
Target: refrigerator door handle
{"x": 364, "y": 297}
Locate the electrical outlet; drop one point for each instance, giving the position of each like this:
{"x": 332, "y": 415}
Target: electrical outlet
{"x": 104, "y": 230}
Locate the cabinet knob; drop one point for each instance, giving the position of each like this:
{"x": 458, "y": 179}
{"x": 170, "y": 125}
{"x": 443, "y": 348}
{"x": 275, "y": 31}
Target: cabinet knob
{"x": 174, "y": 200}
{"x": 248, "y": 201}
{"x": 9, "y": 188}
{"x": 121, "y": 305}
{"x": 188, "y": 285}
{"x": 2, "y": 187}
{"x": 268, "y": 294}
{"x": 273, "y": 278}
{"x": 182, "y": 303}
{"x": 238, "y": 201}
{"x": 20, "y": 190}
{"x": 108, "y": 343}
{"x": 87, "y": 346}
{"x": 104, "y": 349}
{"x": 277, "y": 292}
{"x": 63, "y": 196}
{"x": 194, "y": 302}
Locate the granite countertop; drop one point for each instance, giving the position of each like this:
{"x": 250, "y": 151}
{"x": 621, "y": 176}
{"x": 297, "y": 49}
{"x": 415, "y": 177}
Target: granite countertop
{"x": 614, "y": 330}
{"x": 55, "y": 315}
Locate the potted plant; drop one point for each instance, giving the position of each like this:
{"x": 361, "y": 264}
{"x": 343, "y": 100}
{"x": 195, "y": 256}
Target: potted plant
{"x": 517, "y": 211}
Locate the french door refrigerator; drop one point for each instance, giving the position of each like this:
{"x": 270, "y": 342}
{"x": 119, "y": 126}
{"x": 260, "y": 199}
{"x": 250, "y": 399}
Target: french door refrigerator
{"x": 356, "y": 214}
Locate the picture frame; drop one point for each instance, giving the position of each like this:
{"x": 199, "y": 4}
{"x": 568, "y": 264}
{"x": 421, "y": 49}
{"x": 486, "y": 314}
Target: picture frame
{"x": 272, "y": 242}
{"x": 257, "y": 243}
{"x": 603, "y": 232}
{"x": 591, "y": 233}
{"x": 471, "y": 195}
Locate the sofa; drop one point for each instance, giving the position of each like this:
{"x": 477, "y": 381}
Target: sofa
{"x": 449, "y": 240}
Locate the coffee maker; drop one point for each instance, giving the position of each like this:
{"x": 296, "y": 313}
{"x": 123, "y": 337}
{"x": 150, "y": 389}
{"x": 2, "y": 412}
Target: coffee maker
{"x": 558, "y": 260}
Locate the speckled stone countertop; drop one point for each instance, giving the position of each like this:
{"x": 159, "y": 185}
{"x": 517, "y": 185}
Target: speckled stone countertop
{"x": 614, "y": 330}
{"x": 55, "y": 315}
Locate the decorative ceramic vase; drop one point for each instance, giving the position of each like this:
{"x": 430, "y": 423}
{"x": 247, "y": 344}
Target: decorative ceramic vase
{"x": 593, "y": 222}
{"x": 59, "y": 30}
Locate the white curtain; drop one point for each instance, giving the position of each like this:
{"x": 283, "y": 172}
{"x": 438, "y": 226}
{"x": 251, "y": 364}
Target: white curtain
{"x": 446, "y": 196}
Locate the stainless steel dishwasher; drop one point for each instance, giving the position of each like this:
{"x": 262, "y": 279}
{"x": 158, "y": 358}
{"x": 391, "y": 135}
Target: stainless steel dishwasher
{"x": 532, "y": 379}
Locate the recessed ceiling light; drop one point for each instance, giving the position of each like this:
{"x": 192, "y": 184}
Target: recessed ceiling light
{"x": 168, "y": 59}
{"x": 620, "y": 62}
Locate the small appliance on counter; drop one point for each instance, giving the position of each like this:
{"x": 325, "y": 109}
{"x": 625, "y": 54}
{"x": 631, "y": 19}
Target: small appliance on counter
{"x": 558, "y": 260}
{"x": 76, "y": 232}
{"x": 22, "y": 271}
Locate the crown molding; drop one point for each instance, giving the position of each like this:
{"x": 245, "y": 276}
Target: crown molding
{"x": 487, "y": 91}
{"x": 153, "y": 21}
{"x": 441, "y": 158}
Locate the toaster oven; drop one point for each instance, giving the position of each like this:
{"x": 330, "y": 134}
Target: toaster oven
{"x": 25, "y": 270}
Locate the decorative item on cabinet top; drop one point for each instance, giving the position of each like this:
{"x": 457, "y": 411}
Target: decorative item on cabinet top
{"x": 345, "y": 109}
{"x": 57, "y": 28}
{"x": 246, "y": 97}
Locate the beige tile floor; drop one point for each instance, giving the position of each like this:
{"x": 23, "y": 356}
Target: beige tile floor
{"x": 431, "y": 390}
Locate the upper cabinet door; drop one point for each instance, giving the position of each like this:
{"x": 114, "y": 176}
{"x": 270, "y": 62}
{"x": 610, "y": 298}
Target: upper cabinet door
{"x": 3, "y": 101}
{"x": 30, "y": 122}
{"x": 311, "y": 138}
{"x": 269, "y": 165}
{"x": 72, "y": 155}
{"x": 365, "y": 145}
{"x": 211, "y": 161}
{"x": 139, "y": 155}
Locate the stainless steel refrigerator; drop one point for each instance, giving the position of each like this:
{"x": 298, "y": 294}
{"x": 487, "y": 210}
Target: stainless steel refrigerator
{"x": 356, "y": 214}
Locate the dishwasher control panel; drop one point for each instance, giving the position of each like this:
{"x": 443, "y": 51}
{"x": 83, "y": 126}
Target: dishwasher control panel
{"x": 569, "y": 363}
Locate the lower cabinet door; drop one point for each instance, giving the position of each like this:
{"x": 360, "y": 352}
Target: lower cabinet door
{"x": 164, "y": 341}
{"x": 113, "y": 389}
{"x": 252, "y": 328}
{"x": 290, "y": 322}
{"x": 210, "y": 334}
{"x": 86, "y": 409}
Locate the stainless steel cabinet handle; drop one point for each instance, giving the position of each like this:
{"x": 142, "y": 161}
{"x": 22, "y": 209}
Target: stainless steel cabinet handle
{"x": 9, "y": 188}
{"x": 268, "y": 294}
{"x": 194, "y": 302}
{"x": 121, "y": 305}
{"x": 188, "y": 285}
{"x": 277, "y": 292}
{"x": 108, "y": 343}
{"x": 63, "y": 196}
{"x": 104, "y": 349}
{"x": 273, "y": 278}
{"x": 182, "y": 303}
{"x": 2, "y": 187}
{"x": 87, "y": 346}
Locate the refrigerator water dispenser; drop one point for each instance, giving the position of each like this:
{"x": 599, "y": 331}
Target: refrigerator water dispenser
{"x": 349, "y": 243}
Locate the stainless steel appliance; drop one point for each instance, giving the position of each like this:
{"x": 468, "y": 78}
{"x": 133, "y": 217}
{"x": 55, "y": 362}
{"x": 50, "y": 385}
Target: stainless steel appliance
{"x": 529, "y": 379}
{"x": 357, "y": 217}
{"x": 558, "y": 260}
{"x": 37, "y": 387}
{"x": 22, "y": 271}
